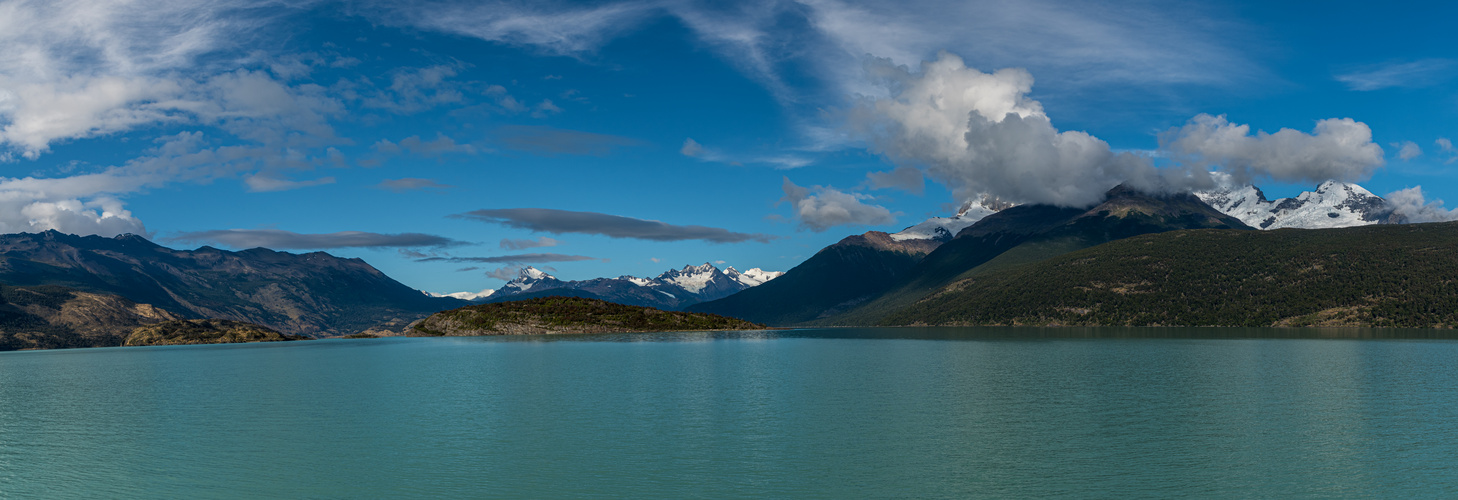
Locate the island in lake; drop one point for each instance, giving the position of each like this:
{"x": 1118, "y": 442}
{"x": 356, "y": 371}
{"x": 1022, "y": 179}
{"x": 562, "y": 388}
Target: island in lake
{"x": 553, "y": 315}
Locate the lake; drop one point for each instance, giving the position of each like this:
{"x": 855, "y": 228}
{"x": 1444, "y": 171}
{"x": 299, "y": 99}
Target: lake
{"x": 833, "y": 413}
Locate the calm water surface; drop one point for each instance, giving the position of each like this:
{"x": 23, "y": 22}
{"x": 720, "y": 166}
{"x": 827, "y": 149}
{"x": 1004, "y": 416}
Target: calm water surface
{"x": 804, "y": 413}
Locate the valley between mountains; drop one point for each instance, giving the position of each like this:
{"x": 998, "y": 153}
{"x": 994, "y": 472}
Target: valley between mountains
{"x": 1336, "y": 256}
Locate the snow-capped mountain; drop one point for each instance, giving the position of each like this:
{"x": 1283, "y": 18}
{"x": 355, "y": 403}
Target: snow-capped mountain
{"x": 1332, "y": 204}
{"x": 752, "y": 277}
{"x": 674, "y": 289}
{"x": 945, "y": 228}
{"x": 465, "y": 295}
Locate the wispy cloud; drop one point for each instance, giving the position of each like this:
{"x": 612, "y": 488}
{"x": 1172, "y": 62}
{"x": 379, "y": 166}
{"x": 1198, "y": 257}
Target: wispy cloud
{"x": 613, "y": 226}
{"x": 410, "y": 184}
{"x": 525, "y": 258}
{"x": 693, "y": 149}
{"x": 279, "y": 239}
{"x": 510, "y": 244}
{"x": 1413, "y": 74}
{"x": 551, "y": 141}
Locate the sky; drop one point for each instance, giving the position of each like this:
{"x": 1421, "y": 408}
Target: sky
{"x": 449, "y": 144}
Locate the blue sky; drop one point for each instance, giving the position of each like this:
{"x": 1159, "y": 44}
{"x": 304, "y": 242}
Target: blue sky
{"x": 416, "y": 135}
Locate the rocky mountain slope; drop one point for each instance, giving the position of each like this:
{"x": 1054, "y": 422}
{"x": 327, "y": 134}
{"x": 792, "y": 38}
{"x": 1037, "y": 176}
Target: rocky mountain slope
{"x": 203, "y": 331}
{"x": 672, "y": 290}
{"x": 1331, "y": 204}
{"x": 54, "y": 317}
{"x": 553, "y": 315}
{"x": 1375, "y": 275}
{"x": 313, "y": 294}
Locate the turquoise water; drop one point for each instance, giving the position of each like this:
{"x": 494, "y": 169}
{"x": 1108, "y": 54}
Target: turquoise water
{"x": 805, "y": 413}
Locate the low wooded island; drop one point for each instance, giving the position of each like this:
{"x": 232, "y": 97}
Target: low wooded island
{"x": 555, "y": 315}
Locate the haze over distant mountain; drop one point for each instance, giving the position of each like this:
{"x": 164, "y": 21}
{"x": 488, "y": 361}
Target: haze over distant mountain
{"x": 313, "y": 294}
{"x": 674, "y": 289}
{"x": 1332, "y": 204}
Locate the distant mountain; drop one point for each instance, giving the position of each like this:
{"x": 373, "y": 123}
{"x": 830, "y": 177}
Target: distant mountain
{"x": 553, "y": 315}
{"x": 313, "y": 294}
{"x": 672, "y": 290}
{"x": 862, "y": 278}
{"x": 1374, "y": 275}
{"x": 1332, "y": 204}
{"x": 836, "y": 278}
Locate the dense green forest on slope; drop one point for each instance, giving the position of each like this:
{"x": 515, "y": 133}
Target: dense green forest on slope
{"x": 1385, "y": 276}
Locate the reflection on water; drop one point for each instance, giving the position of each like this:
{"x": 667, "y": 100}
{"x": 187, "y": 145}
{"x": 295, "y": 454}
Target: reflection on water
{"x": 883, "y": 412}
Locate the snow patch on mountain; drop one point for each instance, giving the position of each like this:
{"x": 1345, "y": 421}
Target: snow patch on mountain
{"x": 752, "y": 277}
{"x": 1333, "y": 204}
{"x": 945, "y": 228}
{"x": 465, "y": 295}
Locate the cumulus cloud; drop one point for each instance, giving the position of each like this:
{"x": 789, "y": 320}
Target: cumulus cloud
{"x": 279, "y": 239}
{"x": 507, "y": 273}
{"x": 981, "y": 135}
{"x": 526, "y": 258}
{"x": 1338, "y": 148}
{"x": 1408, "y": 150}
{"x": 819, "y": 208}
{"x": 1412, "y": 204}
{"x": 553, "y": 221}
{"x": 104, "y": 216}
{"x": 410, "y": 184}
{"x": 1411, "y": 74}
{"x": 510, "y": 244}
{"x": 551, "y": 141}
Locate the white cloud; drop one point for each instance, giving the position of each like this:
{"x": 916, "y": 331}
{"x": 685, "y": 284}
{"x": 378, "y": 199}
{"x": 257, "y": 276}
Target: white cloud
{"x": 1412, "y": 204}
{"x": 1446, "y": 146}
{"x": 820, "y": 207}
{"x": 1408, "y": 150}
{"x": 979, "y": 134}
{"x": 1412, "y": 74}
{"x": 1338, "y": 148}
{"x": 558, "y": 29}
{"x": 265, "y": 182}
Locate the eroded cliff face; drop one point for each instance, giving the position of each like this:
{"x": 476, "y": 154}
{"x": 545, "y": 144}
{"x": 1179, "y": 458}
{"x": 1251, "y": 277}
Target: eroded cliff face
{"x": 53, "y": 317}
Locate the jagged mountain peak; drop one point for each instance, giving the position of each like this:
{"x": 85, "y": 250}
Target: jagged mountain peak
{"x": 1332, "y": 204}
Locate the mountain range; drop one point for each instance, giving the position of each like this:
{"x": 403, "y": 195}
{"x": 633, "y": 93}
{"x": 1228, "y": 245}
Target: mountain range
{"x": 313, "y": 294}
{"x": 889, "y": 274}
{"x": 672, "y": 290}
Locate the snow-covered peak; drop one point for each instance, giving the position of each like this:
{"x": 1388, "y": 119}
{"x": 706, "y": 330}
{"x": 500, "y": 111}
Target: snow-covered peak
{"x": 692, "y": 278}
{"x": 526, "y": 279}
{"x": 532, "y": 273}
{"x": 757, "y": 276}
{"x": 465, "y": 295}
{"x": 1332, "y": 204}
{"x": 945, "y": 228}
